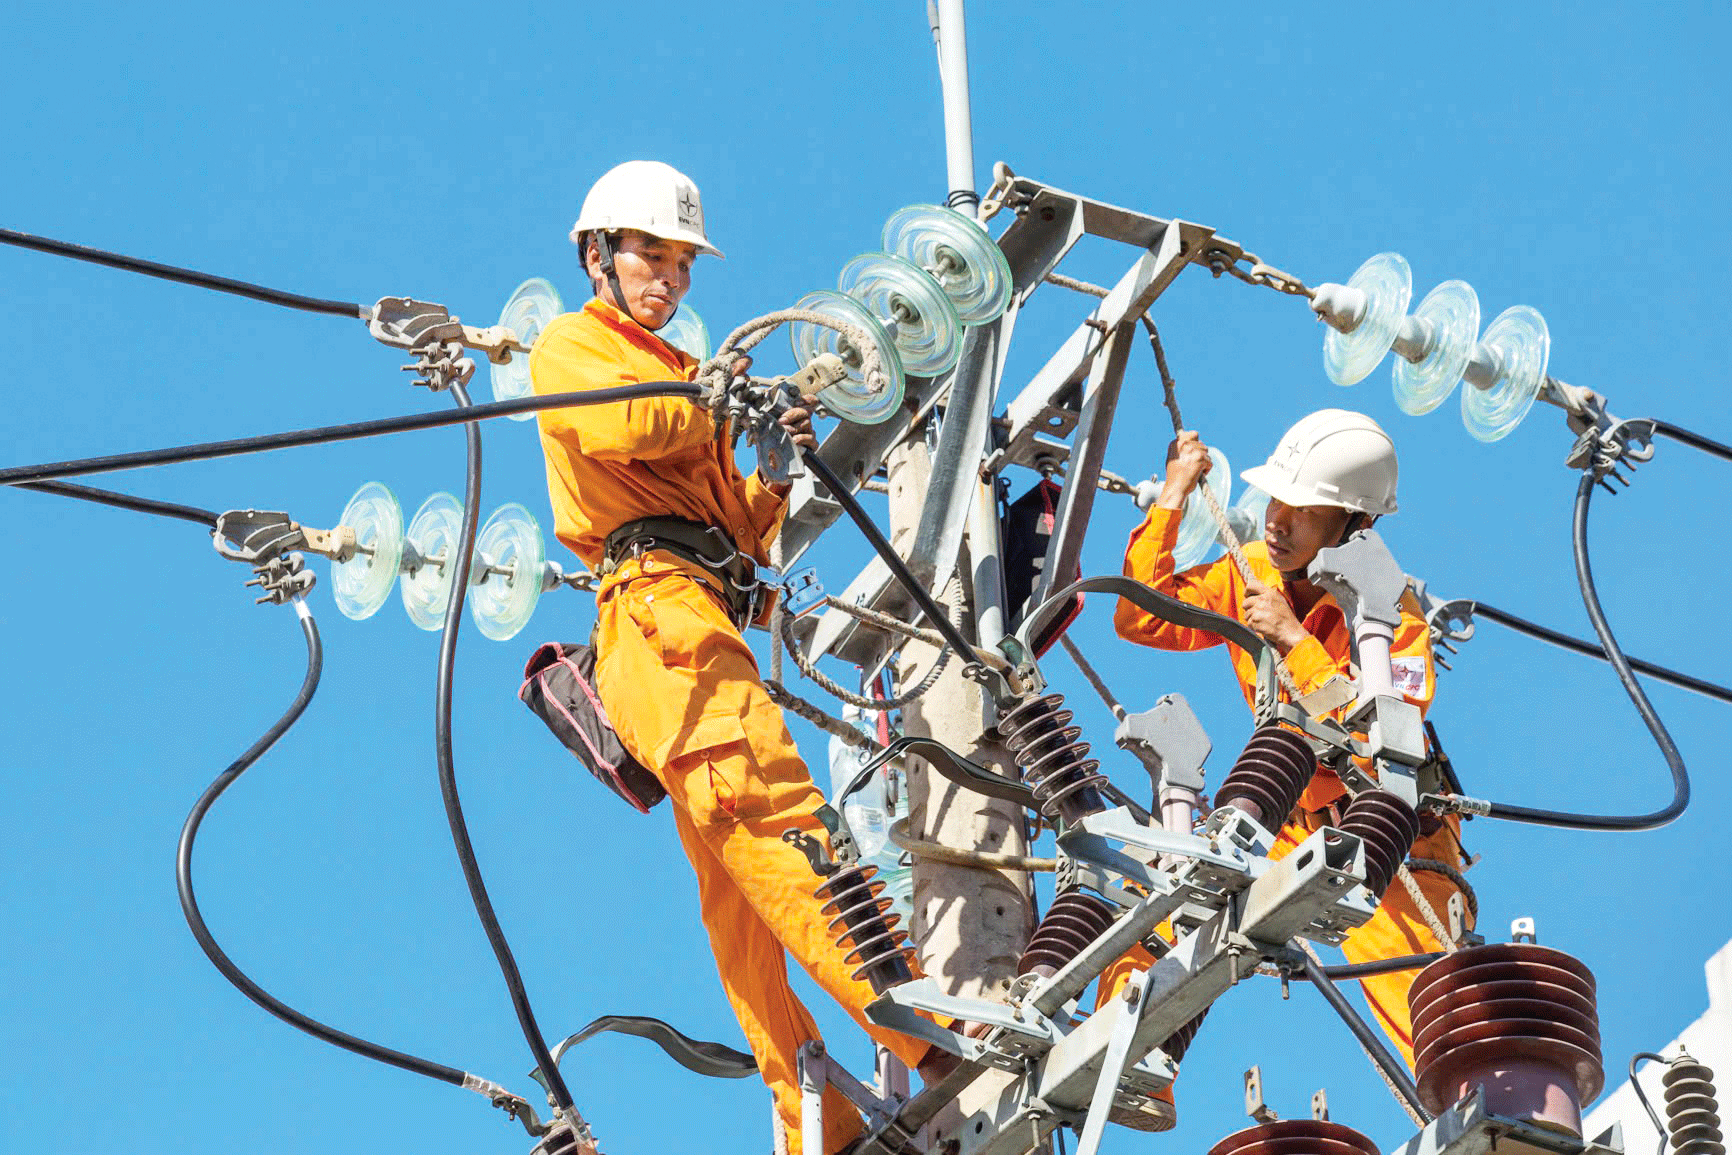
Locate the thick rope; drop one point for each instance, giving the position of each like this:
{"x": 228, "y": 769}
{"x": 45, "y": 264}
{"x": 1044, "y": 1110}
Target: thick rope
{"x": 715, "y": 373}
{"x": 875, "y": 705}
{"x": 829, "y": 723}
{"x": 776, "y": 614}
{"x": 1236, "y": 551}
{"x": 1426, "y": 910}
{"x": 1093, "y": 678}
{"x": 1434, "y": 866}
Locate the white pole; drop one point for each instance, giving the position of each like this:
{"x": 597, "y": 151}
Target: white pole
{"x": 949, "y": 33}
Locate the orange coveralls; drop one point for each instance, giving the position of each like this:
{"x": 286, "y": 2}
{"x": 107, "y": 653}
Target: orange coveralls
{"x": 683, "y": 690}
{"x": 1397, "y": 928}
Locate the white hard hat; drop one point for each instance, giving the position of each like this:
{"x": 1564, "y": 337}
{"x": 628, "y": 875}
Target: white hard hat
{"x": 650, "y": 197}
{"x": 1332, "y": 457}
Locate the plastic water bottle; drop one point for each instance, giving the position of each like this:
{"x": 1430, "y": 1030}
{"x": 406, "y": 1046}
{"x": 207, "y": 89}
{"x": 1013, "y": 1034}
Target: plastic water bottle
{"x": 869, "y": 815}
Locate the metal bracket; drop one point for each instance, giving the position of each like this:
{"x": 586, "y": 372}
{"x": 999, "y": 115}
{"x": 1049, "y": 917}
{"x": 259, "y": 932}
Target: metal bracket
{"x": 1129, "y": 1011}
{"x": 802, "y": 592}
{"x": 1255, "y": 1107}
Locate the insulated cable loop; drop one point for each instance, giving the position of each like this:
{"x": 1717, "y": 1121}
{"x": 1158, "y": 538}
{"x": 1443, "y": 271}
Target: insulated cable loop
{"x": 184, "y": 276}
{"x": 195, "y": 918}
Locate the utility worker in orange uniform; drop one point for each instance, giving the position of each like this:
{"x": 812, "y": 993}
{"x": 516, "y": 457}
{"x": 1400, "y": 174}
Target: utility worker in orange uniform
{"x": 1332, "y": 474}
{"x": 647, "y": 493}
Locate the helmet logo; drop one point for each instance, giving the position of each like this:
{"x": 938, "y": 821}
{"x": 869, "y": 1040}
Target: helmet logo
{"x": 691, "y": 213}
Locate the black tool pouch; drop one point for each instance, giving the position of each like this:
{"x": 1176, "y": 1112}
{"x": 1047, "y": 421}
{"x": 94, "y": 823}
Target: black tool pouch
{"x": 559, "y": 685}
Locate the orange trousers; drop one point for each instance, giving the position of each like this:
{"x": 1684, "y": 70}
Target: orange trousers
{"x": 683, "y": 691}
{"x": 1396, "y": 929}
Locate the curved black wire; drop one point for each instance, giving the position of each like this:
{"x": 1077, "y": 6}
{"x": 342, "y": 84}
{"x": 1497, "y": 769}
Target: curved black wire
{"x": 201, "y": 932}
{"x": 1582, "y": 646}
{"x": 448, "y": 773}
{"x": 1636, "y": 1086}
{"x": 1406, "y": 962}
{"x": 1693, "y": 439}
{"x": 184, "y": 276}
{"x": 1400, "y": 1080}
{"x": 192, "y": 513}
{"x": 294, "y": 438}
{"x": 1614, "y": 655}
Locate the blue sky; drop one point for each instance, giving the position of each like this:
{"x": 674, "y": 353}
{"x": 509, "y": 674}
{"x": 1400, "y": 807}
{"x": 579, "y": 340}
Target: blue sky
{"x": 1570, "y": 157}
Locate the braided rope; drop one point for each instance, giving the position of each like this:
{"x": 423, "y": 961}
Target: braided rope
{"x": 718, "y": 370}
{"x": 1434, "y": 866}
{"x": 810, "y": 670}
{"x": 1426, "y": 910}
{"x": 829, "y": 723}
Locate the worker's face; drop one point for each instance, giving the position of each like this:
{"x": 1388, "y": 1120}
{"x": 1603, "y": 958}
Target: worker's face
{"x": 1294, "y": 533}
{"x": 654, "y": 275}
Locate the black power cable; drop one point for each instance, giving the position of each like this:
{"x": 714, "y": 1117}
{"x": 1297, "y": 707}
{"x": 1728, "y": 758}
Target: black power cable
{"x": 447, "y": 768}
{"x": 319, "y": 435}
{"x": 195, "y": 919}
{"x": 1693, "y": 440}
{"x": 1393, "y": 1068}
{"x": 1582, "y": 646}
{"x": 1614, "y": 655}
{"x": 184, "y": 276}
{"x": 192, "y": 513}
{"x": 1406, "y": 962}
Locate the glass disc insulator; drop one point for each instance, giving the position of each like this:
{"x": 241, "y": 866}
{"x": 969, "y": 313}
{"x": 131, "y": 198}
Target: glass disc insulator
{"x": 1387, "y": 283}
{"x": 912, "y": 308}
{"x": 360, "y": 585}
{"x": 506, "y": 579}
{"x": 1522, "y": 345}
{"x": 853, "y": 398}
{"x": 432, "y": 550}
{"x": 959, "y": 255}
{"x": 1450, "y": 315}
{"x": 1197, "y": 528}
{"x": 687, "y": 333}
{"x": 527, "y": 312}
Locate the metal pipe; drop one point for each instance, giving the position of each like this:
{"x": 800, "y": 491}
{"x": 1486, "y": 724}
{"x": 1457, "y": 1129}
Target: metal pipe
{"x": 950, "y": 35}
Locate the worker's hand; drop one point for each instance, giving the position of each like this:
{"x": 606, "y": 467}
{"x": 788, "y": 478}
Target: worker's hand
{"x": 797, "y": 422}
{"x": 1270, "y": 617}
{"x": 1188, "y": 462}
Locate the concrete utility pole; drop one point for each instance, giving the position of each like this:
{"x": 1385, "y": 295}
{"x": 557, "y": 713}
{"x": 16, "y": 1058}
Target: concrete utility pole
{"x": 970, "y": 925}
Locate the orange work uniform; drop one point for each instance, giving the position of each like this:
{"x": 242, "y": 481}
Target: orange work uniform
{"x": 1397, "y": 928}
{"x": 683, "y": 690}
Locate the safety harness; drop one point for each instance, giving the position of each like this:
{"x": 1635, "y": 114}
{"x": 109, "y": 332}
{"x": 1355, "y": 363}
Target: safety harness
{"x": 736, "y": 573}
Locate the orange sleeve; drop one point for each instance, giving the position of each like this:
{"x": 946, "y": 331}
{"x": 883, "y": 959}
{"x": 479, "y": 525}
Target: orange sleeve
{"x": 572, "y": 357}
{"x": 764, "y": 506}
{"x": 1149, "y": 559}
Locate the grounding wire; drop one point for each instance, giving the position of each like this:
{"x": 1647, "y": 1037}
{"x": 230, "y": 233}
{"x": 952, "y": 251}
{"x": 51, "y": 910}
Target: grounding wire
{"x": 201, "y": 932}
{"x": 1693, "y": 440}
{"x": 1582, "y": 646}
{"x": 1614, "y": 655}
{"x": 319, "y": 435}
{"x": 448, "y": 774}
{"x": 192, "y": 513}
{"x": 184, "y": 276}
{"x": 1636, "y": 1086}
{"x": 1394, "y": 1071}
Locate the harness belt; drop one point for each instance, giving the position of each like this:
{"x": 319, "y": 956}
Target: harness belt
{"x": 736, "y": 573}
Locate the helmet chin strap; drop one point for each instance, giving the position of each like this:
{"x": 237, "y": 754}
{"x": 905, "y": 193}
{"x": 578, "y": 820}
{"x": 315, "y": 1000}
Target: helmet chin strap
{"x": 604, "y": 253}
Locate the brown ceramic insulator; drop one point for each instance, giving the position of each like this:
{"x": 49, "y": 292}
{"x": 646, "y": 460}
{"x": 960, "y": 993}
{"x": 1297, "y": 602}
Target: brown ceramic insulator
{"x": 1177, "y": 1043}
{"x": 1075, "y": 919}
{"x": 1692, "y": 1116}
{"x": 1064, "y": 778}
{"x": 1270, "y": 774}
{"x": 1387, "y": 826}
{"x": 1518, "y": 1020}
{"x": 561, "y": 1140}
{"x": 1296, "y": 1137}
{"x": 864, "y": 927}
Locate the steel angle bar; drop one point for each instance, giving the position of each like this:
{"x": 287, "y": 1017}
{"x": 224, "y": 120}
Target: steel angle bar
{"x": 837, "y": 632}
{"x": 1318, "y": 883}
{"x": 1127, "y": 1009}
{"x": 1049, "y": 996}
{"x": 877, "y": 1111}
{"x": 1033, "y": 245}
{"x": 1039, "y": 409}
